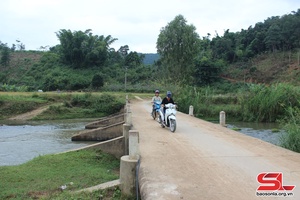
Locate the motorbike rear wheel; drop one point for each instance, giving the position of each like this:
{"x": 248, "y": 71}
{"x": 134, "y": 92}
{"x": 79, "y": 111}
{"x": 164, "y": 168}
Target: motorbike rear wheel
{"x": 161, "y": 122}
{"x": 153, "y": 114}
{"x": 172, "y": 125}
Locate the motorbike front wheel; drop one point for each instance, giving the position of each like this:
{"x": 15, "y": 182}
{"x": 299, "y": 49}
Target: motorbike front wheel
{"x": 172, "y": 125}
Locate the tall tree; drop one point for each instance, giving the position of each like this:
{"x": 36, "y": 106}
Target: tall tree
{"x": 133, "y": 59}
{"x": 178, "y": 45}
{"x": 224, "y": 47}
{"x": 123, "y": 50}
{"x": 83, "y": 49}
{"x": 273, "y": 38}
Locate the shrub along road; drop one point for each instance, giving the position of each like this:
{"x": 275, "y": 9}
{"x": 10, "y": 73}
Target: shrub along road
{"x": 202, "y": 160}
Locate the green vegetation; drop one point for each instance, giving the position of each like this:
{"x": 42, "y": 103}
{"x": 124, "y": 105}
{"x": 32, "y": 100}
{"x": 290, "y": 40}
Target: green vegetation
{"x": 178, "y": 45}
{"x": 61, "y": 105}
{"x": 81, "y": 49}
{"x": 83, "y": 106}
{"x": 13, "y": 88}
{"x": 292, "y": 125}
{"x": 250, "y": 102}
{"x": 17, "y": 103}
{"x": 236, "y": 129}
{"x": 275, "y": 130}
{"x": 208, "y": 102}
{"x": 268, "y": 103}
{"x": 42, "y": 177}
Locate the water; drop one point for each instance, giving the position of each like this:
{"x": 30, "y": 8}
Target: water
{"x": 261, "y": 131}
{"x": 20, "y": 143}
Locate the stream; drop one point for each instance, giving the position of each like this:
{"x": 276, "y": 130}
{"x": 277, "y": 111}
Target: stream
{"x": 261, "y": 131}
{"x": 21, "y": 142}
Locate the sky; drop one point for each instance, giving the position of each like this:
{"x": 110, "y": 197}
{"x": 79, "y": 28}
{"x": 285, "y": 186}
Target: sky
{"x": 136, "y": 23}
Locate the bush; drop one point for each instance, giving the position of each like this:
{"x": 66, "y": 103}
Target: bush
{"x": 104, "y": 103}
{"x": 97, "y": 81}
{"x": 107, "y": 104}
{"x": 81, "y": 101}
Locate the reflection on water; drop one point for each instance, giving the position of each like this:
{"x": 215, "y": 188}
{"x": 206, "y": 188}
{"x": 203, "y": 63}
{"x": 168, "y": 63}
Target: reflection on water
{"x": 21, "y": 142}
{"x": 261, "y": 131}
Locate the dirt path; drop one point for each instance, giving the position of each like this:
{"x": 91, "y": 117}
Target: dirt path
{"x": 202, "y": 160}
{"x": 30, "y": 115}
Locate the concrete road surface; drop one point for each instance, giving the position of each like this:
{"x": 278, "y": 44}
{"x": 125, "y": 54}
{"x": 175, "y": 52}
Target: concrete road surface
{"x": 202, "y": 160}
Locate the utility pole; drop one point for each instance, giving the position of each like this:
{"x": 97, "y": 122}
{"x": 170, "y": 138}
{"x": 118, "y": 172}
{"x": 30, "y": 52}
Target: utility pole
{"x": 125, "y": 77}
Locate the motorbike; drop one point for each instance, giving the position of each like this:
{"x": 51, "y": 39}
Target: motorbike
{"x": 169, "y": 119}
{"x": 156, "y": 110}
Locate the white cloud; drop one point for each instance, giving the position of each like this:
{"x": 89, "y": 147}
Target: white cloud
{"x": 134, "y": 22}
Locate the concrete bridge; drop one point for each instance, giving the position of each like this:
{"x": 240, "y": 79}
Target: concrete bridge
{"x": 201, "y": 160}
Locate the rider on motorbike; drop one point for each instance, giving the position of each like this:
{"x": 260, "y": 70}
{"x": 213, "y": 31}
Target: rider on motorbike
{"x": 166, "y": 100}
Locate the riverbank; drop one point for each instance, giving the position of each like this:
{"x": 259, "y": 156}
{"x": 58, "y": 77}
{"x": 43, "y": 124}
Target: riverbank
{"x": 59, "y": 105}
{"x": 58, "y": 175}
{"x": 36, "y": 138}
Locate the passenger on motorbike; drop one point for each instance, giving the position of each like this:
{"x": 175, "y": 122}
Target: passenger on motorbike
{"x": 166, "y": 100}
{"x": 155, "y": 98}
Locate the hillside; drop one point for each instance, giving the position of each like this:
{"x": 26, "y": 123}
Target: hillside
{"x": 150, "y": 58}
{"x": 20, "y": 63}
{"x": 266, "y": 68}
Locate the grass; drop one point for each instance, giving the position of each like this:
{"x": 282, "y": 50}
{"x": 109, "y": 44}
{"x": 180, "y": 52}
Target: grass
{"x": 208, "y": 103}
{"x": 42, "y": 177}
{"x": 255, "y": 102}
{"x": 291, "y": 140}
{"x": 275, "y": 130}
{"x": 236, "y": 129}
{"x": 108, "y": 194}
{"x": 268, "y": 103}
{"x": 5, "y": 96}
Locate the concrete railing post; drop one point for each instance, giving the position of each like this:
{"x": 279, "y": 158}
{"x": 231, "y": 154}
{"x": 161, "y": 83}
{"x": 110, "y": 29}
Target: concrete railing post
{"x": 126, "y": 128}
{"x": 128, "y": 118}
{"x": 128, "y": 165}
{"x": 222, "y": 118}
{"x": 133, "y": 144}
{"x": 191, "y": 110}
{"x": 127, "y": 99}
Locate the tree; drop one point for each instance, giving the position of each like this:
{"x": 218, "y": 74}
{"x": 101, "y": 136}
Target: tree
{"x": 273, "y": 38}
{"x": 5, "y": 56}
{"x": 123, "y": 50}
{"x": 178, "y": 45}
{"x": 133, "y": 59}
{"x": 83, "y": 49}
{"x": 207, "y": 71}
